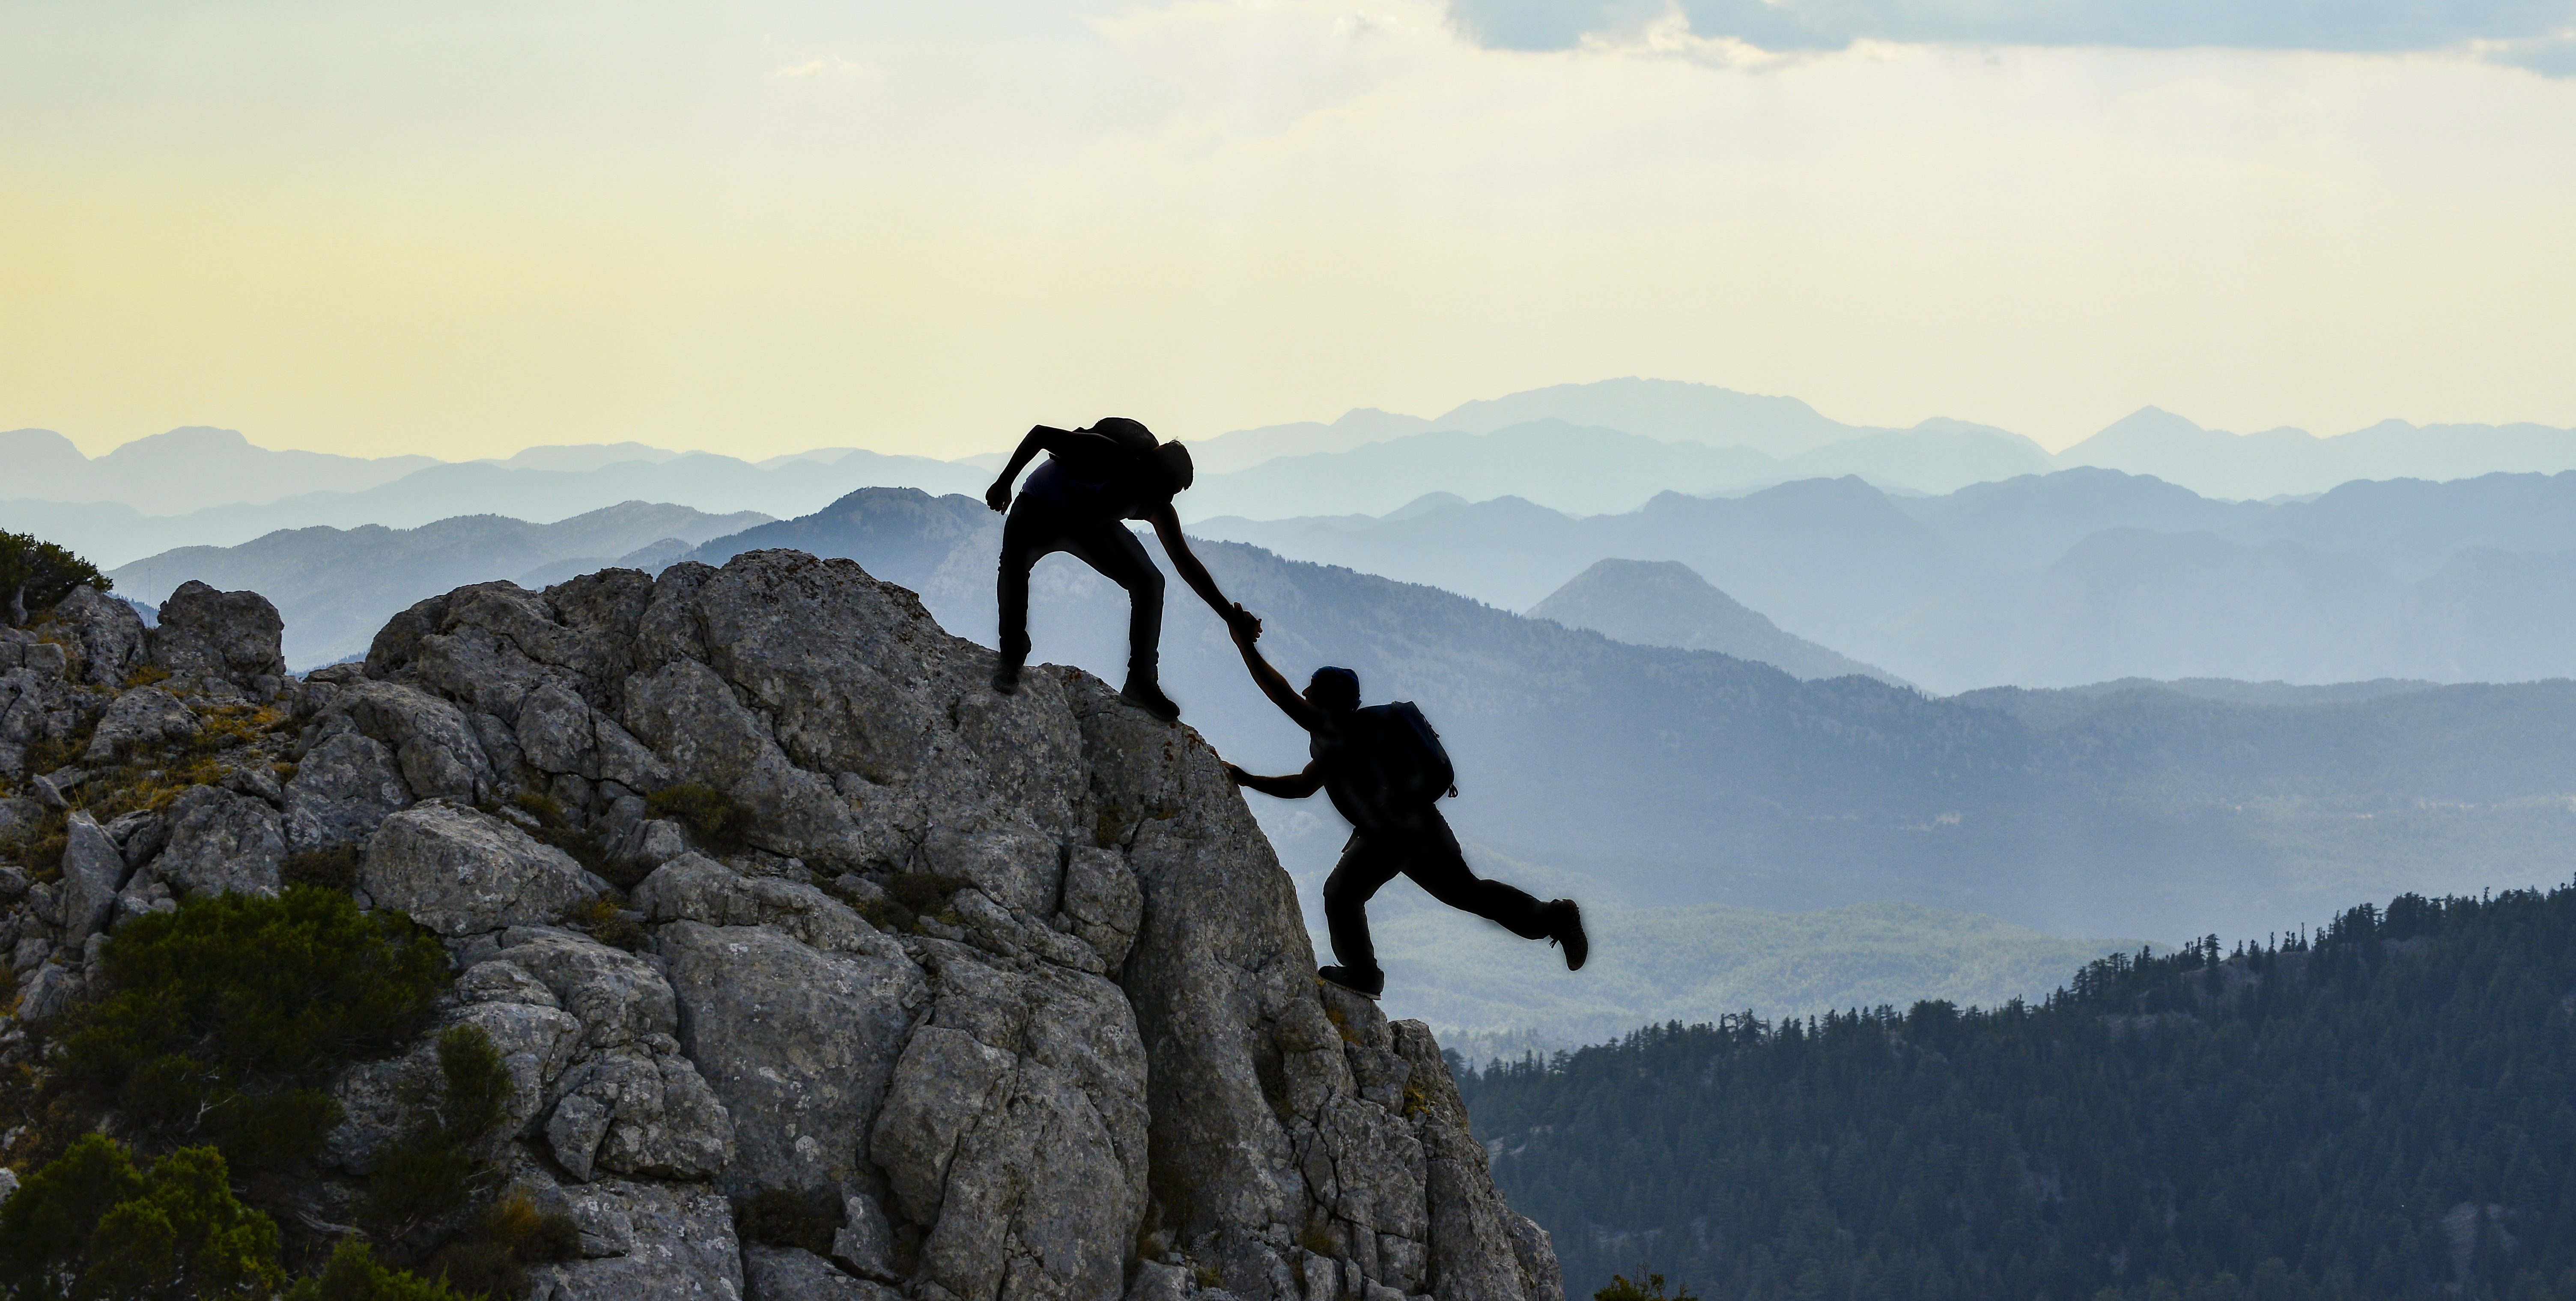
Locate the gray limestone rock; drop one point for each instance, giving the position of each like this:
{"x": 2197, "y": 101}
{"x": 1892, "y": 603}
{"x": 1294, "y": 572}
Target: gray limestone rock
{"x": 456, "y": 871}
{"x": 48, "y": 993}
{"x": 694, "y": 888}
{"x": 433, "y": 744}
{"x": 219, "y": 842}
{"x": 1120, "y": 997}
{"x": 641, "y": 1113}
{"x": 678, "y": 1245}
{"x": 144, "y": 716}
{"x": 93, "y": 872}
{"x": 618, "y": 999}
{"x": 801, "y": 1039}
{"x": 793, "y": 1274}
{"x": 225, "y": 636}
{"x": 106, "y": 632}
{"x": 343, "y": 789}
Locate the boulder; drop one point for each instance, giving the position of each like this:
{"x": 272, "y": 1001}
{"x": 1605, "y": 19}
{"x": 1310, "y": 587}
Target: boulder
{"x": 144, "y": 716}
{"x": 221, "y": 841}
{"x": 458, "y": 871}
{"x": 343, "y": 789}
{"x": 93, "y": 871}
{"x": 802, "y": 1039}
{"x": 1117, "y": 993}
{"x": 231, "y": 637}
{"x": 106, "y": 633}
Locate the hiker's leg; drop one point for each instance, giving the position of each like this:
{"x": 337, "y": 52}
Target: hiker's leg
{"x": 1435, "y": 863}
{"x": 1355, "y": 880}
{"x": 1027, "y": 536}
{"x": 1115, "y": 551}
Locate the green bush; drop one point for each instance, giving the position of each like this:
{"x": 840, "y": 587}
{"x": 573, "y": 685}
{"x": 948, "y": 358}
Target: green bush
{"x": 492, "y": 1256}
{"x": 223, "y": 1017}
{"x": 432, "y": 1171}
{"x": 91, "y": 1225}
{"x": 1623, "y": 1288}
{"x": 353, "y": 1275}
{"x": 328, "y": 869}
{"x": 35, "y": 575}
{"x": 712, "y": 816}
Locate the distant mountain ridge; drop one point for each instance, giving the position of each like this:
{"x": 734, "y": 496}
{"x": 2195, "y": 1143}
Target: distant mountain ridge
{"x": 336, "y": 587}
{"x": 1679, "y": 776}
{"x": 2056, "y": 580}
{"x": 1666, "y": 603}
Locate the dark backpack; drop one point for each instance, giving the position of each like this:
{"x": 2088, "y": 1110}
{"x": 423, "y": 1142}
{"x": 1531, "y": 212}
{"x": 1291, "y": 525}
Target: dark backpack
{"x": 1412, "y": 769}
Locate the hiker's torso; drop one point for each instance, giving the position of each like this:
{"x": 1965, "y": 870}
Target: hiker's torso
{"x": 1099, "y": 478}
{"x": 1345, "y": 752}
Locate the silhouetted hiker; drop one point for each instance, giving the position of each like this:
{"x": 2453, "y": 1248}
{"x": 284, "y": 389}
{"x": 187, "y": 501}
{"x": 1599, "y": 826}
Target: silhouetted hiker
{"x": 1093, "y": 481}
{"x": 1384, "y": 770}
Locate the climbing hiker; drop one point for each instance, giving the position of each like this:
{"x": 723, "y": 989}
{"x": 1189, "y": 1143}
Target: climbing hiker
{"x": 1385, "y": 771}
{"x": 1093, "y": 481}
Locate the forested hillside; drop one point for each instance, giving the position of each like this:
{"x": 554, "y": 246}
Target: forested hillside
{"x": 2386, "y": 1109}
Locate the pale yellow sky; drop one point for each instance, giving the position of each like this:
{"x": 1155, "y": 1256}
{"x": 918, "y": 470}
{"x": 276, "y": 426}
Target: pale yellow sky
{"x": 369, "y": 229}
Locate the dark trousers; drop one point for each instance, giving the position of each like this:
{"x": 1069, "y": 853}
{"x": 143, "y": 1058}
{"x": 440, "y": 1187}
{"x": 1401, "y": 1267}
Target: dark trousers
{"x": 1038, "y": 528}
{"x": 1424, "y": 849}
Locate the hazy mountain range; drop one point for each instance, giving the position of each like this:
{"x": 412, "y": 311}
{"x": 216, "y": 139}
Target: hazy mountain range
{"x": 336, "y": 587}
{"x": 2055, "y": 580}
{"x": 1667, "y": 603}
{"x": 1676, "y": 777}
{"x": 1594, "y": 448}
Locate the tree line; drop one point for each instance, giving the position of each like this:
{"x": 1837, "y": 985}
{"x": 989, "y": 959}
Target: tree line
{"x": 2384, "y": 1108}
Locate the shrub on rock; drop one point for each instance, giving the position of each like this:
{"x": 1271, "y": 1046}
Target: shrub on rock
{"x": 221, "y": 1018}
{"x": 35, "y": 574}
{"x": 90, "y": 1224}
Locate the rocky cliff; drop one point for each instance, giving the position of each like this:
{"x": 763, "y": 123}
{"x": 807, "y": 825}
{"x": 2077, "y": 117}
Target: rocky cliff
{"x": 1013, "y": 985}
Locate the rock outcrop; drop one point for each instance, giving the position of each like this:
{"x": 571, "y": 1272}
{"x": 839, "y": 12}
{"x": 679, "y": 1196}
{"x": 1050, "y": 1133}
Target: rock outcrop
{"x": 1013, "y": 985}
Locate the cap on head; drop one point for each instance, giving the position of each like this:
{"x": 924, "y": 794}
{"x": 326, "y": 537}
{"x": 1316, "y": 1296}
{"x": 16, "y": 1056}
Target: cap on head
{"x": 1334, "y": 688}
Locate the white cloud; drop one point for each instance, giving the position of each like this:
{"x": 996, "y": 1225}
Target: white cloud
{"x": 2526, "y": 32}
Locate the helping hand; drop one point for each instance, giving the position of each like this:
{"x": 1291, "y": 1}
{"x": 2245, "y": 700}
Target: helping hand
{"x": 999, "y": 495}
{"x": 1243, "y": 623}
{"x": 1238, "y": 775}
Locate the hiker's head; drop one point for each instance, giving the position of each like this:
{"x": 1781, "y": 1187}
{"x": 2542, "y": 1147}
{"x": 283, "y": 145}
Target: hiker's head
{"x": 1175, "y": 460}
{"x": 1335, "y": 691}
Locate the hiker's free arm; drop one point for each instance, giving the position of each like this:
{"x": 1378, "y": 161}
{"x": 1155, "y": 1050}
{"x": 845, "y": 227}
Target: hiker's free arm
{"x": 1167, "y": 526}
{"x": 1295, "y": 786}
{"x": 1040, "y": 438}
{"x": 1272, "y": 684}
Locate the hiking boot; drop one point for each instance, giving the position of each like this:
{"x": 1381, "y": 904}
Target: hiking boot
{"x": 1565, "y": 926}
{"x": 1006, "y": 677}
{"x": 1148, "y": 695}
{"x": 1366, "y": 984}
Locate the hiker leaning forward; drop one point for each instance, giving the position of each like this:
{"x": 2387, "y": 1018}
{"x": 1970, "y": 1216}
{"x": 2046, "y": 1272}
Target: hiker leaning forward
{"x": 1094, "y": 480}
{"x": 1371, "y": 763}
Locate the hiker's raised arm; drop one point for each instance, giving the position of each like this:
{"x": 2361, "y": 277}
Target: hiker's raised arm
{"x": 1295, "y": 786}
{"x": 1298, "y": 709}
{"x": 1040, "y": 438}
{"x": 1167, "y": 526}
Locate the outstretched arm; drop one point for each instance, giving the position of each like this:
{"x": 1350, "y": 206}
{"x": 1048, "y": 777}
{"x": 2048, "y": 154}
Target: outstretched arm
{"x": 1040, "y": 438}
{"x": 1272, "y": 684}
{"x": 1167, "y": 526}
{"x": 1295, "y": 786}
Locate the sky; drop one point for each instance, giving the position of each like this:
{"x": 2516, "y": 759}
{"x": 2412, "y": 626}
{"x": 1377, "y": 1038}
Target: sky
{"x": 754, "y": 228}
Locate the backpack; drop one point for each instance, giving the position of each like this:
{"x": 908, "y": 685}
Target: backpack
{"x": 1412, "y": 769}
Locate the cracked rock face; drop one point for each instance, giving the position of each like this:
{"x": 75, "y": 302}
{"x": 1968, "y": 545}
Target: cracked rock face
{"x": 1014, "y": 983}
